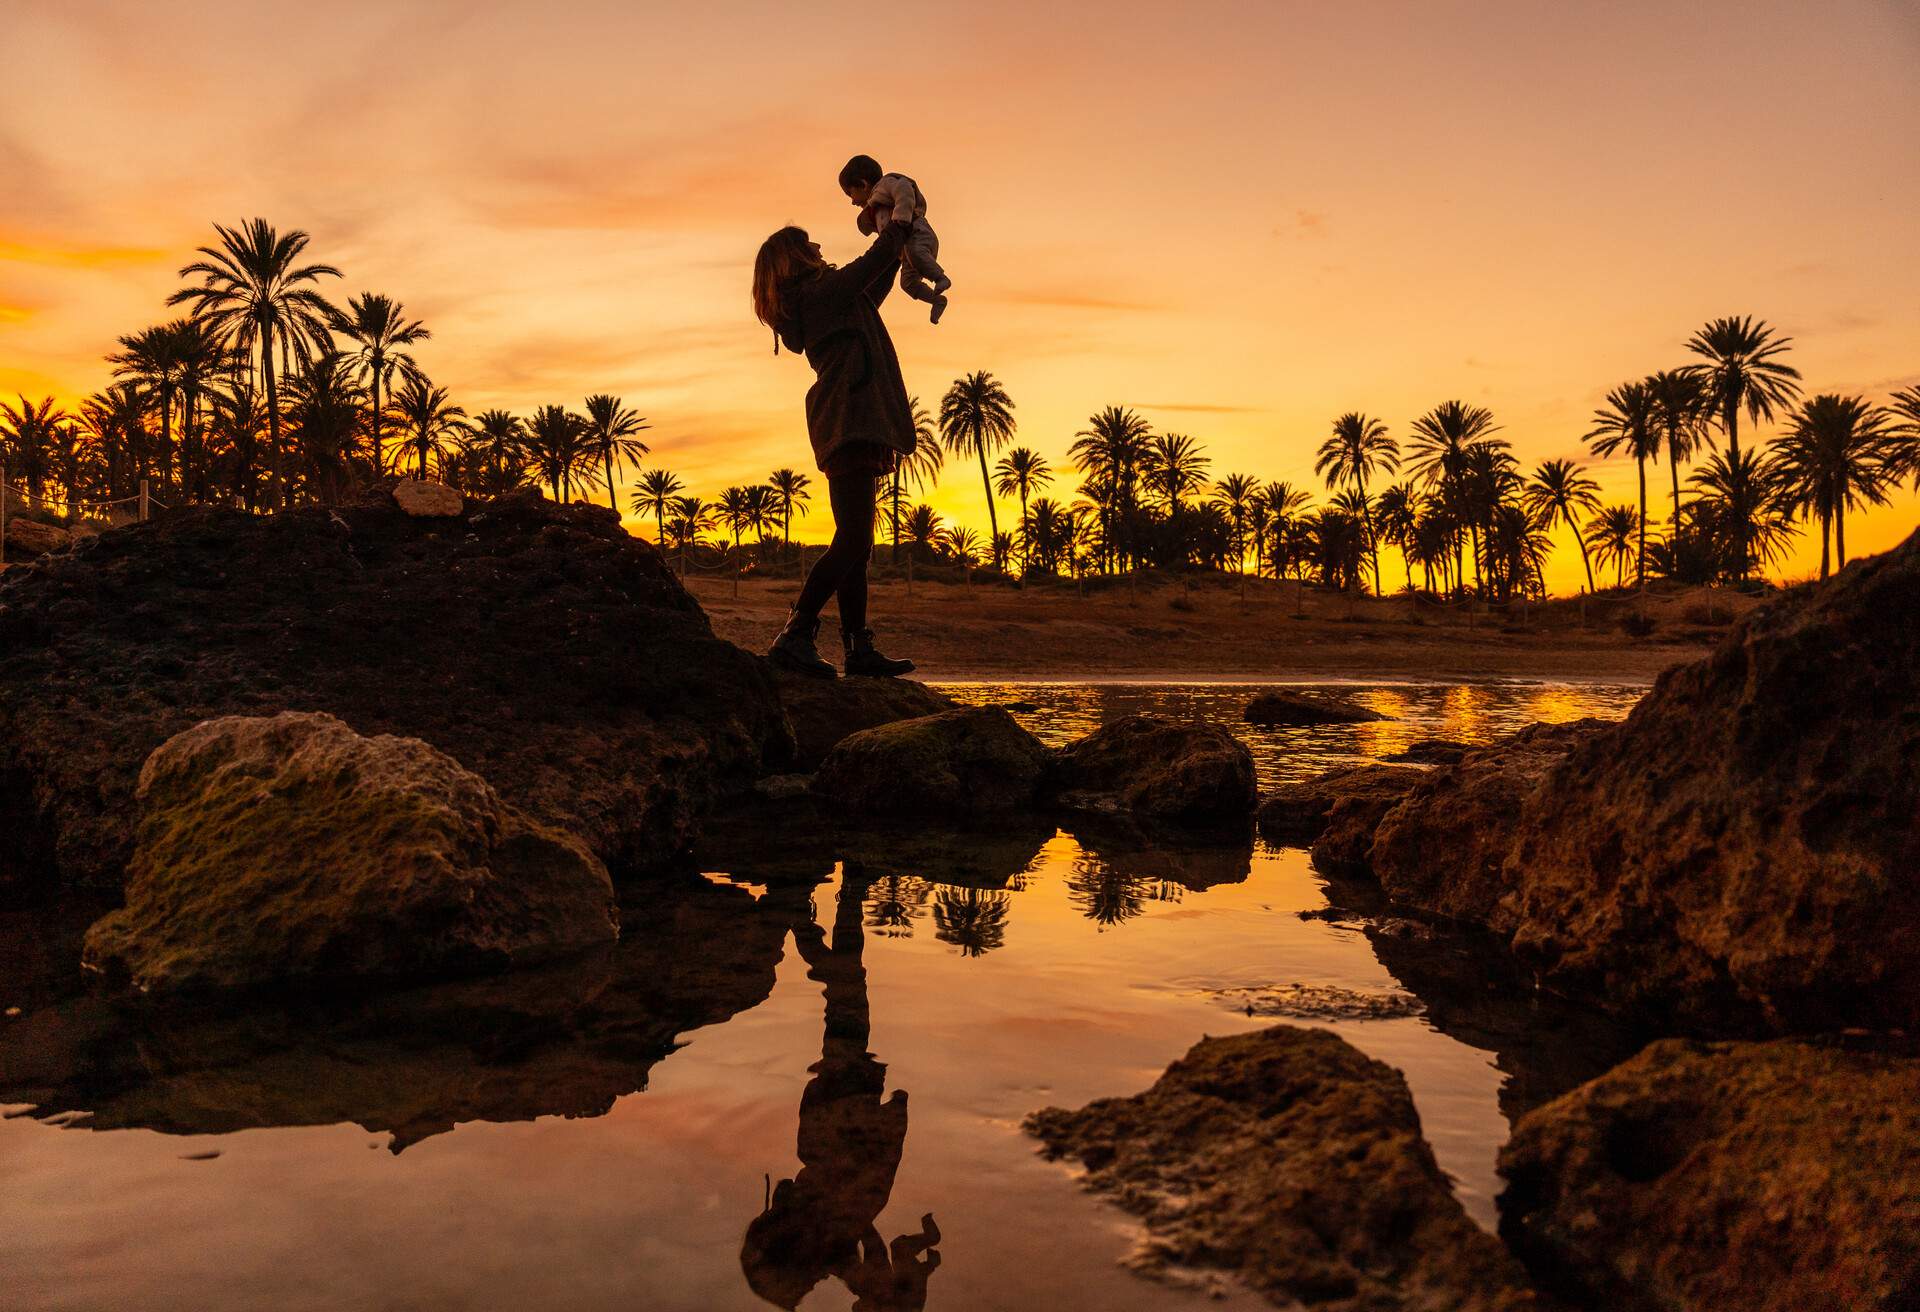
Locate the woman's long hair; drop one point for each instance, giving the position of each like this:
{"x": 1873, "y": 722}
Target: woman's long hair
{"x": 782, "y": 256}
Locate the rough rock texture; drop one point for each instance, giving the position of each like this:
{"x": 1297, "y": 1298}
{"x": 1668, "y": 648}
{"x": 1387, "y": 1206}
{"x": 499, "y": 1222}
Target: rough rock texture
{"x": 1297, "y": 813}
{"x": 1288, "y": 1157}
{"x": 292, "y": 849}
{"x": 564, "y": 1039}
{"x": 1746, "y": 845}
{"x": 1294, "y": 708}
{"x": 968, "y": 762}
{"x": 1769, "y": 1176}
{"x": 539, "y": 645}
{"x": 425, "y": 500}
{"x": 1146, "y": 765}
{"x": 30, "y": 537}
{"x": 1444, "y": 847}
{"x": 823, "y": 711}
{"x": 1432, "y": 751}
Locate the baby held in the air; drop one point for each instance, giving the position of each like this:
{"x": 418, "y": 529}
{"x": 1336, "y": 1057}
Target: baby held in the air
{"x": 884, "y": 198}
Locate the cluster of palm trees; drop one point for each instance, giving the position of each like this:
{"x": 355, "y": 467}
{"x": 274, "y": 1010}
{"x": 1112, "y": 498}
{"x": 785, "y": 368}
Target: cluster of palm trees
{"x": 267, "y": 394}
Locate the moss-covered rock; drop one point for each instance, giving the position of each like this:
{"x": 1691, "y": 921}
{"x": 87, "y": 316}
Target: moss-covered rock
{"x": 290, "y": 848}
{"x": 1145, "y": 765}
{"x": 824, "y": 711}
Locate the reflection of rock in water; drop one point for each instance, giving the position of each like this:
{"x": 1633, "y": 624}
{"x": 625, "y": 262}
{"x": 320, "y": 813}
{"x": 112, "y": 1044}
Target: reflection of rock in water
{"x": 1315, "y": 1002}
{"x": 852, "y": 1135}
{"x": 1473, "y": 992}
{"x": 566, "y": 1040}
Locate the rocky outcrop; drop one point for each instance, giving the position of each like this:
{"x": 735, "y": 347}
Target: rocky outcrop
{"x": 538, "y": 645}
{"x": 1444, "y": 847}
{"x": 1745, "y": 847}
{"x": 823, "y": 711}
{"x": 1291, "y": 1159}
{"x": 1297, "y": 813}
{"x": 31, "y": 537}
{"x": 970, "y": 762}
{"x": 1768, "y": 1176}
{"x": 1174, "y": 770}
{"x": 290, "y": 849}
{"x": 1295, "y": 709}
{"x": 424, "y": 500}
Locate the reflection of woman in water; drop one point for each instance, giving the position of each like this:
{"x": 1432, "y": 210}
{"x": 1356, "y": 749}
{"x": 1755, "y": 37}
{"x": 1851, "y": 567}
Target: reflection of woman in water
{"x": 821, "y": 1222}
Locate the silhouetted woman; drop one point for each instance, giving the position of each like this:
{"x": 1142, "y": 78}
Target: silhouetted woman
{"x": 857, "y": 416}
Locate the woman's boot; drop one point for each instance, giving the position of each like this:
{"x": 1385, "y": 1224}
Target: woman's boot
{"x": 794, "y": 649}
{"x": 863, "y": 659}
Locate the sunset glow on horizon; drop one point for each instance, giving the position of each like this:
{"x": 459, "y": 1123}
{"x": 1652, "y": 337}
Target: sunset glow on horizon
{"x": 1239, "y": 219}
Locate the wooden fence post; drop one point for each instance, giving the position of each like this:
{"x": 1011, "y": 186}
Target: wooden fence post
{"x": 143, "y": 501}
{"x": 3, "y": 512}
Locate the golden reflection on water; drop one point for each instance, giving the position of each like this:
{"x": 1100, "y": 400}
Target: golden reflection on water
{"x": 1057, "y": 713}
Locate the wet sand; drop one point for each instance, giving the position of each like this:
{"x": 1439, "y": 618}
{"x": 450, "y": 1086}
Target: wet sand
{"x": 1162, "y": 631}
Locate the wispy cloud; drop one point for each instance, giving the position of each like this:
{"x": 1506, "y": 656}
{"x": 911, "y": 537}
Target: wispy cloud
{"x": 80, "y": 257}
{"x": 1201, "y": 408}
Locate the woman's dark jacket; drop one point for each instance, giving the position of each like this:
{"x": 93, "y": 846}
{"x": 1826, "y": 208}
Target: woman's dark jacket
{"x": 833, "y": 316}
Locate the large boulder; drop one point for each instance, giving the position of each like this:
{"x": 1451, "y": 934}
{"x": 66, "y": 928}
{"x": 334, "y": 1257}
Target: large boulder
{"x": 1294, "y": 709}
{"x": 1768, "y": 1176}
{"x": 1287, "y": 1156}
{"x": 1297, "y": 813}
{"x": 31, "y": 537}
{"x": 1179, "y": 770}
{"x": 428, "y": 500}
{"x": 970, "y": 762}
{"x": 538, "y": 645}
{"x": 823, "y": 711}
{"x": 1444, "y": 847}
{"x": 291, "y": 849}
{"x": 1744, "y": 850}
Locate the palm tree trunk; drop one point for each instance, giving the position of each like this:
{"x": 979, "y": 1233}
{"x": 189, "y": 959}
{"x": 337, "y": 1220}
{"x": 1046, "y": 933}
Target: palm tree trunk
{"x": 993, "y": 520}
{"x": 1026, "y": 546}
{"x": 1825, "y": 533}
{"x": 373, "y": 415}
{"x": 611, "y": 500}
{"x": 282, "y": 495}
{"x": 1583, "y": 551}
{"x": 1641, "y": 569}
{"x": 1673, "y": 468}
{"x": 1733, "y": 463}
{"x": 896, "y": 516}
{"x": 1840, "y": 536}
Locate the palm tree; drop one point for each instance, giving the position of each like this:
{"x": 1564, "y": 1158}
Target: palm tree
{"x": 656, "y": 492}
{"x": 557, "y": 442}
{"x": 789, "y": 489}
{"x": 495, "y": 443}
{"x": 1559, "y": 492}
{"x": 256, "y": 295}
{"x": 1741, "y": 511}
{"x": 381, "y": 333}
{"x": 1517, "y": 547}
{"x": 963, "y": 544}
{"x": 1679, "y": 405}
{"x": 1397, "y": 518}
{"x": 973, "y": 920}
{"x": 1834, "y": 456}
{"x": 1358, "y": 446}
{"x": 691, "y": 518}
{"x": 1174, "y": 465}
{"x": 1021, "y": 472}
{"x": 1437, "y": 455}
{"x": 1743, "y": 371}
{"x": 153, "y": 359}
{"x": 1613, "y": 530}
{"x": 115, "y": 419}
{"x": 1904, "y": 459}
{"x": 427, "y": 418}
{"x": 27, "y": 437}
{"x": 1628, "y": 421}
{"x": 739, "y": 511}
{"x": 611, "y": 435}
{"x": 923, "y": 527}
{"x": 976, "y": 418}
{"x": 1110, "y": 451}
{"x": 1236, "y": 495}
{"x": 921, "y": 468}
{"x": 322, "y": 417}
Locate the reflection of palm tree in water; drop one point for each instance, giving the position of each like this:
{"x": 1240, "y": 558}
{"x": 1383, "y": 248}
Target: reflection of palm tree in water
{"x": 972, "y": 919}
{"x": 821, "y": 1222}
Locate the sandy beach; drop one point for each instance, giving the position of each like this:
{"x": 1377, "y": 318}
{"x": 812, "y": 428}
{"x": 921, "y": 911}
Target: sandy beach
{"x": 1162, "y": 630}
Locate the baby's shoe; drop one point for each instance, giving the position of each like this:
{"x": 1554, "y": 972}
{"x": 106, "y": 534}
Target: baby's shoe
{"x": 939, "y": 308}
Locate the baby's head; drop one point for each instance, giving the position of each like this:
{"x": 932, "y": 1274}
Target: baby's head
{"x": 858, "y": 177}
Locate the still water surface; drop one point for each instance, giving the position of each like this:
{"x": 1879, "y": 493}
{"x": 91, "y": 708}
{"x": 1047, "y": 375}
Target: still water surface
{"x": 760, "y": 1097}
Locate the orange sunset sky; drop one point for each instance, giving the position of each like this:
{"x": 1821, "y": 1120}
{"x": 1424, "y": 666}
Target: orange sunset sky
{"x": 1240, "y": 219}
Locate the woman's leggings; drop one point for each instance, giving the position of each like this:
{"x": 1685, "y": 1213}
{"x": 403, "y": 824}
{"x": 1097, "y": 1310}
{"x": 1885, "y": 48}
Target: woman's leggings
{"x": 842, "y": 569}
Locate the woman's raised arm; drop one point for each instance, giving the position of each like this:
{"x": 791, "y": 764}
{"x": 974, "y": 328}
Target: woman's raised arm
{"x": 840, "y": 286}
